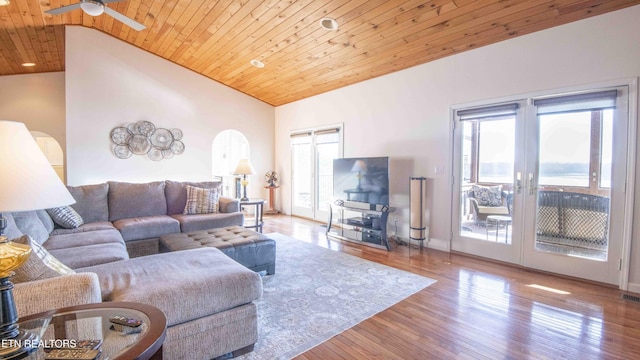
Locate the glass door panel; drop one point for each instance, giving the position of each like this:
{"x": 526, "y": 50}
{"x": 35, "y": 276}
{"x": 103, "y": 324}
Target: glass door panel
{"x": 573, "y": 206}
{"x": 312, "y": 157}
{"x": 302, "y": 176}
{"x": 575, "y": 197}
{"x": 328, "y": 148}
{"x": 486, "y": 156}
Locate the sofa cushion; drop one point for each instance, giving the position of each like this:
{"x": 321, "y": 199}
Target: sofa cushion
{"x": 77, "y": 239}
{"x": 29, "y": 223}
{"x": 228, "y": 205}
{"x": 176, "y": 193}
{"x": 66, "y": 217}
{"x": 146, "y": 227}
{"x": 190, "y": 223}
{"x": 102, "y": 225}
{"x": 46, "y": 220}
{"x": 40, "y": 264}
{"x": 129, "y": 200}
{"x": 201, "y": 201}
{"x": 186, "y": 285}
{"x": 91, "y": 201}
{"x": 90, "y": 255}
{"x": 11, "y": 231}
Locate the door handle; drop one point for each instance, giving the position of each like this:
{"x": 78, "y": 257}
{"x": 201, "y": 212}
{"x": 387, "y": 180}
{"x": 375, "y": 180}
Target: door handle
{"x": 518, "y": 185}
{"x": 531, "y": 186}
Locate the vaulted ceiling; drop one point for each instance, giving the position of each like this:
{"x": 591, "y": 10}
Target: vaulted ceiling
{"x": 218, "y": 39}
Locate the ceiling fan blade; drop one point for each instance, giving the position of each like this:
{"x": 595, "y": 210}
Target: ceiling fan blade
{"x": 63, "y": 9}
{"x": 128, "y": 21}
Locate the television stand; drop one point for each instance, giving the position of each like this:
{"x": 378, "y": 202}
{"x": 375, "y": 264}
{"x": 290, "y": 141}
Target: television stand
{"x": 367, "y": 227}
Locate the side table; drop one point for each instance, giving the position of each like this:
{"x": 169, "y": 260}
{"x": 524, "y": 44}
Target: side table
{"x": 91, "y": 322}
{"x": 259, "y": 204}
{"x": 498, "y": 220}
{"x": 272, "y": 201}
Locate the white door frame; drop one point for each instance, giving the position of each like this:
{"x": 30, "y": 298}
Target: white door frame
{"x": 627, "y": 222}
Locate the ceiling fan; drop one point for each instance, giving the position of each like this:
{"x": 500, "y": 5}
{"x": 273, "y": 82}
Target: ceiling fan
{"x": 95, "y": 8}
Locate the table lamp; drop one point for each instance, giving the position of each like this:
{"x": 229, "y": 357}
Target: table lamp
{"x": 360, "y": 166}
{"x": 244, "y": 168}
{"x": 28, "y": 182}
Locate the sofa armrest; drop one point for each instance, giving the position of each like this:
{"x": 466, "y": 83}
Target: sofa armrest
{"x": 229, "y": 205}
{"x": 69, "y": 290}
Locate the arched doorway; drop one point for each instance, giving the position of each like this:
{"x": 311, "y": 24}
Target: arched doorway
{"x": 52, "y": 150}
{"x": 228, "y": 147}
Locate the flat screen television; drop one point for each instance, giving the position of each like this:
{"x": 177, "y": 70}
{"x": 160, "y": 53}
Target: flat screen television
{"x": 363, "y": 180}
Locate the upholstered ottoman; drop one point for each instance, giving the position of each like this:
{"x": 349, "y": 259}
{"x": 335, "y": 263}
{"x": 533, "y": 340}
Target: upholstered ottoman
{"x": 250, "y": 248}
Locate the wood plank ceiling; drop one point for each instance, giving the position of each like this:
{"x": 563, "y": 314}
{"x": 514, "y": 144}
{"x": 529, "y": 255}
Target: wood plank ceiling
{"x": 218, "y": 39}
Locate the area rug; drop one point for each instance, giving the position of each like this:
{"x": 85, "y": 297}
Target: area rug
{"x": 317, "y": 293}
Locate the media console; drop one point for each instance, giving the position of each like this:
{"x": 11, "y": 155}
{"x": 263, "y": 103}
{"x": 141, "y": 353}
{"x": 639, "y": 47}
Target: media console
{"x": 358, "y": 225}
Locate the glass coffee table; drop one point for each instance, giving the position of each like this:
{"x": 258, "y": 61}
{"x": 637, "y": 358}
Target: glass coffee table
{"x": 68, "y": 327}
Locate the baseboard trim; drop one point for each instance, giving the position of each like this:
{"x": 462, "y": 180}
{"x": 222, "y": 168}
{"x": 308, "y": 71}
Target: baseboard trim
{"x": 634, "y": 287}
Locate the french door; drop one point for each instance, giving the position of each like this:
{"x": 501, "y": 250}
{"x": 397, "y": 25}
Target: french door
{"x": 312, "y": 154}
{"x": 540, "y": 183}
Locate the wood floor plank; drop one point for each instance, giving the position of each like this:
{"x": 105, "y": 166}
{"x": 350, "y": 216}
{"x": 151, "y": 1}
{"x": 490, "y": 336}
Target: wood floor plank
{"x": 478, "y": 309}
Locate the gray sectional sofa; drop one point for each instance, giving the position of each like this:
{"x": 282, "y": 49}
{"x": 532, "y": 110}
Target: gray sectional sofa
{"x": 207, "y": 297}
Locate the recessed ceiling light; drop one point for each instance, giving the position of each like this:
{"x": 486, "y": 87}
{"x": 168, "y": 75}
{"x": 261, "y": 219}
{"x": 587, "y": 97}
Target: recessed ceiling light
{"x": 257, "y": 63}
{"x": 4, "y": 2}
{"x": 329, "y": 24}
{"x": 28, "y": 64}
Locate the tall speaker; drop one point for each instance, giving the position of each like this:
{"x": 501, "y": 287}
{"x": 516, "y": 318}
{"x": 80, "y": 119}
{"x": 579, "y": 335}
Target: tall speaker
{"x": 417, "y": 212}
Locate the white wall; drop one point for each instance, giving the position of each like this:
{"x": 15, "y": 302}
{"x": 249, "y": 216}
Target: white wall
{"x": 110, "y": 83}
{"x": 36, "y": 100}
{"x": 406, "y": 115}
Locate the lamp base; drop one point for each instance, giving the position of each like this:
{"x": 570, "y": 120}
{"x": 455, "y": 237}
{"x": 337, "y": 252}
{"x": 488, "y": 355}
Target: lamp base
{"x": 20, "y": 346}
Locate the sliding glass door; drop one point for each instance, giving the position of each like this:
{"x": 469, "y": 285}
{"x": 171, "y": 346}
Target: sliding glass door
{"x": 312, "y": 154}
{"x": 539, "y": 183}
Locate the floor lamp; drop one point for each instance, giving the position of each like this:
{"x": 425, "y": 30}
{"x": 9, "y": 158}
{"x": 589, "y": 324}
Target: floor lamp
{"x": 28, "y": 182}
{"x": 417, "y": 223}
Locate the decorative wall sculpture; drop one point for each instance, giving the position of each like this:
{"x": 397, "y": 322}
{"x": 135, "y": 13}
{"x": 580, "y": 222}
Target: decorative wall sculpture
{"x": 143, "y": 138}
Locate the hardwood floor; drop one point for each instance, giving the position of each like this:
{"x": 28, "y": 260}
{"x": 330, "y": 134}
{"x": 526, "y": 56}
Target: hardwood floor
{"x": 479, "y": 310}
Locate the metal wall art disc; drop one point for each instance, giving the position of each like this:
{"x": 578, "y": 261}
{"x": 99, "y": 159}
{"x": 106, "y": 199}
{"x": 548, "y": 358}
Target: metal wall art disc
{"x": 162, "y": 139}
{"x": 167, "y": 154}
{"x": 177, "y": 147}
{"x": 155, "y": 154}
{"x": 146, "y": 128}
{"x": 139, "y": 144}
{"x": 120, "y": 135}
{"x": 143, "y": 138}
{"x": 122, "y": 151}
{"x": 177, "y": 134}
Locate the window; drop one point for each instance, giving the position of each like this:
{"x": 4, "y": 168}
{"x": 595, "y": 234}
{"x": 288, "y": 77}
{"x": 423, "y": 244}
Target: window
{"x": 576, "y": 139}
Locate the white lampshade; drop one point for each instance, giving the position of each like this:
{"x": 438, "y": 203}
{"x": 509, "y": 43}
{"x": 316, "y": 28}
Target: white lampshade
{"x": 92, "y": 8}
{"x": 27, "y": 180}
{"x": 244, "y": 168}
{"x": 359, "y": 165}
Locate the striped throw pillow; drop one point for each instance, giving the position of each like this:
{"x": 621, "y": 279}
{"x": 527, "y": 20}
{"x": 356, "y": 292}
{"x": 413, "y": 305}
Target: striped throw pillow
{"x": 66, "y": 217}
{"x": 201, "y": 201}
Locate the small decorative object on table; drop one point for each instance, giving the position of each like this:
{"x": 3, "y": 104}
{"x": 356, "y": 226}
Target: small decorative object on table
{"x": 125, "y": 325}
{"x": 272, "y": 178}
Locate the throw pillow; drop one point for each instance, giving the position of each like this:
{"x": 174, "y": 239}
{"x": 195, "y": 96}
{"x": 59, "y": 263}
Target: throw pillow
{"x": 201, "y": 201}
{"x": 66, "y": 217}
{"x": 40, "y": 264}
{"x": 488, "y": 195}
